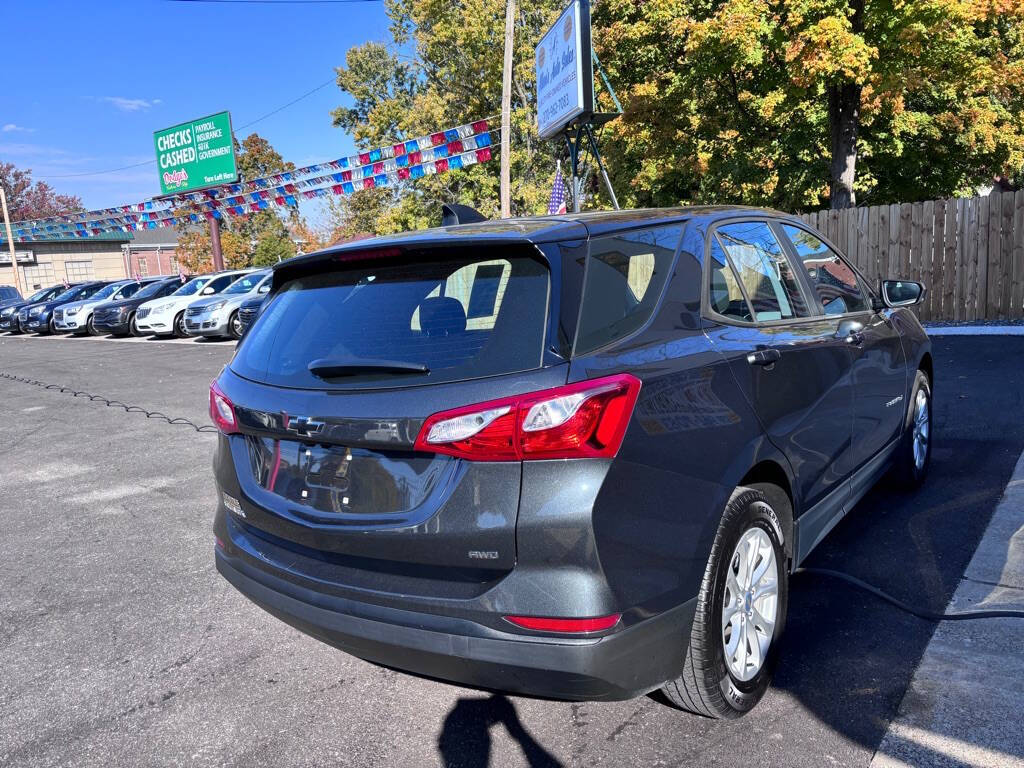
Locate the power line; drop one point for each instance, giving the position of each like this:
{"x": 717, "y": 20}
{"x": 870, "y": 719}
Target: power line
{"x": 238, "y": 128}
{"x": 285, "y": 106}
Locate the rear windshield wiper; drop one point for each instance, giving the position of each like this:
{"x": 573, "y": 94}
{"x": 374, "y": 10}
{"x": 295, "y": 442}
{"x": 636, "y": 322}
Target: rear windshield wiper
{"x": 331, "y": 367}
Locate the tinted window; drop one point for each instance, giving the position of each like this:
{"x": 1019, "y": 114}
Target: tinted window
{"x": 626, "y": 275}
{"x": 218, "y": 284}
{"x": 152, "y": 290}
{"x": 833, "y": 279}
{"x": 414, "y": 312}
{"x": 763, "y": 270}
{"x": 725, "y": 294}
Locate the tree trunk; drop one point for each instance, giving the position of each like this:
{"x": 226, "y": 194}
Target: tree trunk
{"x": 844, "y": 120}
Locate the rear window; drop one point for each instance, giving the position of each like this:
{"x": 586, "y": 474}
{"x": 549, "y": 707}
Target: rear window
{"x": 626, "y": 275}
{"x": 460, "y": 317}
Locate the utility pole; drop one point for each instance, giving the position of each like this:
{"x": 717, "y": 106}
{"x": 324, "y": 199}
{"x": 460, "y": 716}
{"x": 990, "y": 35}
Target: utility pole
{"x": 506, "y": 112}
{"x": 10, "y": 243}
{"x": 218, "y": 260}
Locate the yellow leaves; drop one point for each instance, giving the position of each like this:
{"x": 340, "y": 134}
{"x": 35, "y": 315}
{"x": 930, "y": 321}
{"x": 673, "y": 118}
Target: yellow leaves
{"x": 829, "y": 49}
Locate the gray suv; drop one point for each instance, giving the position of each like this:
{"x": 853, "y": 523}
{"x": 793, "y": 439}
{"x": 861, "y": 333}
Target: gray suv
{"x": 574, "y": 456}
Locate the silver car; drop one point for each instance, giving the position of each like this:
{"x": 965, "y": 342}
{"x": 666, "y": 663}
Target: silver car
{"x": 218, "y": 315}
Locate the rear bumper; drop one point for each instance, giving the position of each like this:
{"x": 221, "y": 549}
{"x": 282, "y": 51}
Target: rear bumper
{"x": 627, "y": 663}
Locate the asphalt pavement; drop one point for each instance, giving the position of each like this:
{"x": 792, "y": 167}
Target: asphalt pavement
{"x": 120, "y": 645}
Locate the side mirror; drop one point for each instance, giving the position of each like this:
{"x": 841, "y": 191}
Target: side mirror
{"x": 264, "y": 289}
{"x": 901, "y": 293}
{"x": 206, "y": 291}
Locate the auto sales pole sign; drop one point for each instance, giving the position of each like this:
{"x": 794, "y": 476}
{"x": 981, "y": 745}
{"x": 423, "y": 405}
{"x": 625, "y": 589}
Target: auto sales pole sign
{"x": 196, "y": 154}
{"x": 565, "y": 73}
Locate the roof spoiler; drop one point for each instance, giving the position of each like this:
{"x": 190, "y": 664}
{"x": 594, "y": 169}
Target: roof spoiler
{"x": 453, "y": 213}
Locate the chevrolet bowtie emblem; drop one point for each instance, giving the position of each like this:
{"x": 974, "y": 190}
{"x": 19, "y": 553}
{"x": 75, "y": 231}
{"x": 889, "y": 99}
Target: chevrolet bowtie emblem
{"x": 302, "y": 425}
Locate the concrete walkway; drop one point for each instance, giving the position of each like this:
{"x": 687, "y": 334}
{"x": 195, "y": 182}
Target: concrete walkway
{"x": 965, "y": 704}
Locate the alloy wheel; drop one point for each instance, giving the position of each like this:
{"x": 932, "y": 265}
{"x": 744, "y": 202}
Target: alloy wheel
{"x": 750, "y": 604}
{"x": 922, "y": 429}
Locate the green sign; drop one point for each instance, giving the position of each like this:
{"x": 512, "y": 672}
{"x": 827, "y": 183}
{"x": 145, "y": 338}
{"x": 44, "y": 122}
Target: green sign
{"x": 196, "y": 154}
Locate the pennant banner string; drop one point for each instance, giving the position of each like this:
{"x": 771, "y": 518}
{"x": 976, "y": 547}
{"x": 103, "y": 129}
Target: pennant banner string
{"x": 436, "y": 152}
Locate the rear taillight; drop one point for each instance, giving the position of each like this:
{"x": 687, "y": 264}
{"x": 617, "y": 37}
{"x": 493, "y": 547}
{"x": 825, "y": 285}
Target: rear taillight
{"x": 587, "y": 419}
{"x": 222, "y": 411}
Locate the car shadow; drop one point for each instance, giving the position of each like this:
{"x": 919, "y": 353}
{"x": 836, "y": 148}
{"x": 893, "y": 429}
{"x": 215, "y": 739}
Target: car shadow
{"x": 465, "y": 740}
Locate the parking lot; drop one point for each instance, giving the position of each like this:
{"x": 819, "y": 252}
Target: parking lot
{"x": 120, "y": 644}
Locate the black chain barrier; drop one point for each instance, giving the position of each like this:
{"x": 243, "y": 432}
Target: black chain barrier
{"x": 108, "y": 402}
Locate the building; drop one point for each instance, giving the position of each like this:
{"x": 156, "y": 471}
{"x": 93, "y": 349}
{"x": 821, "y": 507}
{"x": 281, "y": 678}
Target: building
{"x": 152, "y": 252}
{"x": 107, "y": 256}
{"x": 41, "y": 263}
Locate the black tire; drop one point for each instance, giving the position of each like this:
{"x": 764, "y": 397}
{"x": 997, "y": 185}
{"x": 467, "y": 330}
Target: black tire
{"x": 707, "y": 686}
{"x": 133, "y": 327}
{"x": 234, "y": 326}
{"x": 179, "y": 325}
{"x": 51, "y": 328}
{"x": 907, "y": 473}
{"x": 90, "y": 327}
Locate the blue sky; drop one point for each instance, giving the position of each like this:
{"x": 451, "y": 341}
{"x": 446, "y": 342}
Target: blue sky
{"x": 93, "y": 80}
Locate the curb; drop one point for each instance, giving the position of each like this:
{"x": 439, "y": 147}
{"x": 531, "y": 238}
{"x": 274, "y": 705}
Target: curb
{"x": 974, "y": 330}
{"x": 962, "y": 706}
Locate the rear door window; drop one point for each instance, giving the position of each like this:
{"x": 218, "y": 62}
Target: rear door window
{"x": 625, "y": 278}
{"x": 460, "y": 317}
{"x": 763, "y": 270}
{"x": 834, "y": 280}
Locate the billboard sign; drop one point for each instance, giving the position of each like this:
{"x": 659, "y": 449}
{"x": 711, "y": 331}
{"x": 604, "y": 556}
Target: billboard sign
{"x": 23, "y": 257}
{"x": 196, "y": 154}
{"x": 565, "y": 74}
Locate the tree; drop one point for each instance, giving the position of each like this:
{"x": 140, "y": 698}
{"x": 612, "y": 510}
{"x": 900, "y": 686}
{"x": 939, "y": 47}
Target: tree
{"x": 453, "y": 77}
{"x": 33, "y": 200}
{"x": 255, "y": 239}
{"x": 793, "y": 103}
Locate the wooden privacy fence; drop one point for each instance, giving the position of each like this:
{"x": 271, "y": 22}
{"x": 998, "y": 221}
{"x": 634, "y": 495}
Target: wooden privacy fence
{"x": 969, "y": 252}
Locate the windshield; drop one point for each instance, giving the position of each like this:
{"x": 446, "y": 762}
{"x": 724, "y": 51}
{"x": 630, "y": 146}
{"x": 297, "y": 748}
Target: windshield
{"x": 149, "y": 290}
{"x": 192, "y": 286}
{"x": 247, "y": 283}
{"x": 40, "y": 295}
{"x": 74, "y": 293}
{"x": 459, "y": 317}
{"x": 108, "y": 290}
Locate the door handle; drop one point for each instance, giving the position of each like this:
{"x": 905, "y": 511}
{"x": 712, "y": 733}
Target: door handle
{"x": 851, "y": 331}
{"x": 766, "y": 357}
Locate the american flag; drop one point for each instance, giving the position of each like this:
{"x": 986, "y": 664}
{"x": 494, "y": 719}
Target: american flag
{"x": 557, "y": 202}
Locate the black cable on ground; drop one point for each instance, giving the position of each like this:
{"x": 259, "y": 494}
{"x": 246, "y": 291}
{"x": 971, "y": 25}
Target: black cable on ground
{"x": 108, "y": 402}
{"x": 919, "y": 612}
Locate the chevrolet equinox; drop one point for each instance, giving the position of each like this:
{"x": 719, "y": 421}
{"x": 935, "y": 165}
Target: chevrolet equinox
{"x": 574, "y": 457}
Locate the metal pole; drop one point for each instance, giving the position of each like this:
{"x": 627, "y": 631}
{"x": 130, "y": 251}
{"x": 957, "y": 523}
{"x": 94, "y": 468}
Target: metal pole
{"x": 10, "y": 243}
{"x": 600, "y": 164}
{"x": 218, "y": 260}
{"x": 506, "y": 113}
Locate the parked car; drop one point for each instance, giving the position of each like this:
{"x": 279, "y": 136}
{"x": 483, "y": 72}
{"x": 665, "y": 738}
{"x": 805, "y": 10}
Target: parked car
{"x": 9, "y": 295}
{"x": 217, "y": 316}
{"x": 77, "y": 316}
{"x": 249, "y": 311}
{"x": 9, "y": 313}
{"x": 118, "y": 316}
{"x": 167, "y": 316}
{"x": 38, "y": 318}
{"x": 574, "y": 457}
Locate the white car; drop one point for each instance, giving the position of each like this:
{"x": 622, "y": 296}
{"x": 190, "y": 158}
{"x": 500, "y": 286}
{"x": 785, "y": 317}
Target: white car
{"x": 166, "y": 316}
{"x": 217, "y": 316}
{"x": 77, "y": 315}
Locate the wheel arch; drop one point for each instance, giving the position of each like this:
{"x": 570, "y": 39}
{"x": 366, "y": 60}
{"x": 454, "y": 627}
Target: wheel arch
{"x": 771, "y": 478}
{"x": 925, "y": 365}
